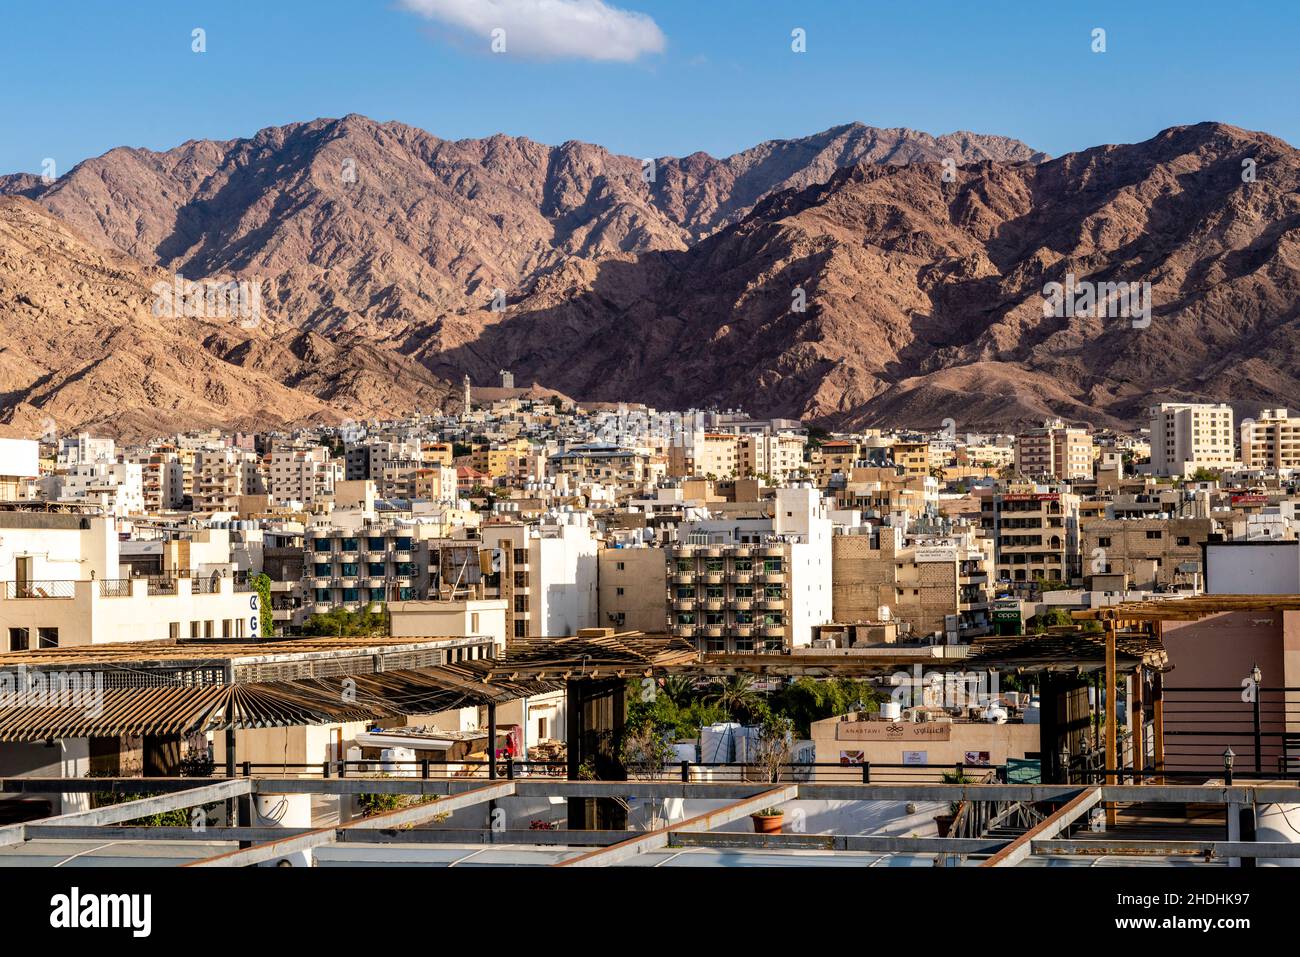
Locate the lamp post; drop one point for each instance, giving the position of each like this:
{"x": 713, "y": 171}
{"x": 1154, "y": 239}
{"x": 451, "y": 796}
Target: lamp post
{"x": 1255, "y": 676}
{"x": 1228, "y": 757}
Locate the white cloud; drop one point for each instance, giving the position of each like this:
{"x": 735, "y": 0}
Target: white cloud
{"x": 551, "y": 29}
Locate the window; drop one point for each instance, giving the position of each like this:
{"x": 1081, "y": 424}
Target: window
{"x": 1103, "y": 541}
{"x": 227, "y": 628}
{"x": 376, "y": 594}
{"x": 686, "y": 618}
{"x": 1184, "y": 540}
{"x": 194, "y": 629}
{"x": 1154, "y": 534}
{"x": 618, "y": 591}
{"x": 208, "y": 629}
{"x": 473, "y": 623}
{"x": 351, "y": 596}
{"x": 17, "y": 639}
{"x": 322, "y": 570}
{"x": 321, "y": 545}
{"x": 47, "y": 637}
{"x": 621, "y": 566}
{"x": 685, "y": 591}
{"x": 714, "y": 591}
{"x": 375, "y": 568}
{"x": 174, "y": 630}
{"x": 521, "y": 629}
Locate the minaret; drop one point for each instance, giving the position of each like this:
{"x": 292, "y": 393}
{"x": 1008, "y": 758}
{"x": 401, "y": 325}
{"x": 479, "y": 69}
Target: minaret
{"x": 467, "y": 401}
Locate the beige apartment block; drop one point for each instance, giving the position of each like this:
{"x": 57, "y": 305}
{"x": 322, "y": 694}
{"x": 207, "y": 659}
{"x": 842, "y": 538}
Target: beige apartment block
{"x": 912, "y": 457}
{"x": 632, "y": 583}
{"x": 705, "y": 454}
{"x": 1186, "y": 436}
{"x": 1055, "y": 451}
{"x": 778, "y": 455}
{"x": 1036, "y": 533}
{"x": 922, "y": 584}
{"x": 1151, "y": 552}
{"x": 1271, "y": 441}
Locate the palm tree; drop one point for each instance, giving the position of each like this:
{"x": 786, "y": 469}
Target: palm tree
{"x": 734, "y": 695}
{"x": 679, "y": 689}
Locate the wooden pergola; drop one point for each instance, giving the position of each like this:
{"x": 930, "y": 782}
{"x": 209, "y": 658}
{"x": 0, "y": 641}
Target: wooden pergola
{"x": 1128, "y": 619}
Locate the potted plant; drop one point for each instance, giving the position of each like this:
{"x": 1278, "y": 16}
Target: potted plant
{"x": 768, "y": 820}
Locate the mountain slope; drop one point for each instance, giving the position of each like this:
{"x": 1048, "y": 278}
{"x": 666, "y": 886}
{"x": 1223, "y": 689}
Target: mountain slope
{"x": 81, "y": 347}
{"x": 382, "y": 228}
{"x": 926, "y": 297}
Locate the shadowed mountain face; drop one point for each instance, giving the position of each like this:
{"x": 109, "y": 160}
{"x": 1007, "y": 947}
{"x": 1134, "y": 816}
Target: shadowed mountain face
{"x": 925, "y": 294}
{"x": 921, "y": 264}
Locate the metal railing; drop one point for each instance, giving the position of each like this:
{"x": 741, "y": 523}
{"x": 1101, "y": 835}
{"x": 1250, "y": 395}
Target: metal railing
{"x": 162, "y": 586}
{"x": 40, "y": 589}
{"x": 689, "y": 772}
{"x": 114, "y": 588}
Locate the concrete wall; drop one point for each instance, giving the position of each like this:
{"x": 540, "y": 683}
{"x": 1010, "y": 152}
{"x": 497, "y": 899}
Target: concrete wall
{"x": 643, "y": 580}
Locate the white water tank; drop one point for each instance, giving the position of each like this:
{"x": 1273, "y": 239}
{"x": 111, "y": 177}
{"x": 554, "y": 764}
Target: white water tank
{"x": 396, "y": 761}
{"x": 287, "y": 811}
{"x": 891, "y": 710}
{"x": 1278, "y": 823}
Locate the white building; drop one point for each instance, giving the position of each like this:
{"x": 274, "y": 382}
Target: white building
{"x": 84, "y": 449}
{"x": 117, "y": 488}
{"x": 1186, "y": 436}
{"x": 61, "y": 584}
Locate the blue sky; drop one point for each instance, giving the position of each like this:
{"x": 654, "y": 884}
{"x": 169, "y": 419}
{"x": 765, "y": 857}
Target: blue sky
{"x": 713, "y": 75}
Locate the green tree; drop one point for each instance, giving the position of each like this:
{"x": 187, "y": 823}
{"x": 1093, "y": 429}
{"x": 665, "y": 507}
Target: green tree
{"x": 262, "y": 585}
{"x": 368, "y": 622}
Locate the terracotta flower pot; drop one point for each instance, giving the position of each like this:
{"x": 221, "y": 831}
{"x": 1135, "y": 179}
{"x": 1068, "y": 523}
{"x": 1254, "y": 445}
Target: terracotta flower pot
{"x": 767, "y": 823}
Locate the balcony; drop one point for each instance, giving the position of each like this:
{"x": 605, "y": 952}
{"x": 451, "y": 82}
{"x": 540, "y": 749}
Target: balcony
{"x": 772, "y": 551}
{"x": 773, "y": 578}
{"x": 742, "y": 578}
{"x": 685, "y": 631}
{"x": 773, "y": 631}
{"x": 715, "y": 604}
{"x": 711, "y": 631}
{"x": 714, "y": 578}
{"x": 683, "y": 604}
{"x": 40, "y": 589}
{"x": 683, "y": 578}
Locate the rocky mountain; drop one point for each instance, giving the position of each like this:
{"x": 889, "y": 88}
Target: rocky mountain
{"x": 84, "y": 347}
{"x": 925, "y": 294}
{"x": 854, "y": 277}
{"x": 385, "y": 229}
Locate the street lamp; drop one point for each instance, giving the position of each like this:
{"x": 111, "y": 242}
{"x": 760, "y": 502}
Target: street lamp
{"x": 1227, "y": 765}
{"x": 1255, "y": 674}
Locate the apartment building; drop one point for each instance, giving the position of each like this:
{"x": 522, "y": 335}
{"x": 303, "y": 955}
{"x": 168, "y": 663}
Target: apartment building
{"x": 938, "y": 586}
{"x": 19, "y": 463}
{"x": 501, "y": 459}
{"x": 354, "y": 567}
{"x": 1271, "y": 441}
{"x": 752, "y": 585}
{"x": 704, "y": 454}
{"x": 163, "y": 480}
{"x": 222, "y": 476}
{"x": 1035, "y": 533}
{"x": 115, "y": 488}
{"x": 608, "y": 464}
{"x": 777, "y": 455}
{"x": 62, "y": 583}
{"x": 548, "y": 572}
{"x": 1151, "y": 553}
{"x": 913, "y": 457}
{"x": 84, "y": 449}
{"x": 632, "y": 580}
{"x": 1055, "y": 451}
{"x": 304, "y": 475}
{"x": 1186, "y": 436}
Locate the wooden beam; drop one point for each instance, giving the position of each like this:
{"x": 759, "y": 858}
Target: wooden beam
{"x": 1158, "y": 724}
{"x": 1111, "y": 700}
{"x": 1055, "y": 823}
{"x": 1137, "y": 720}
